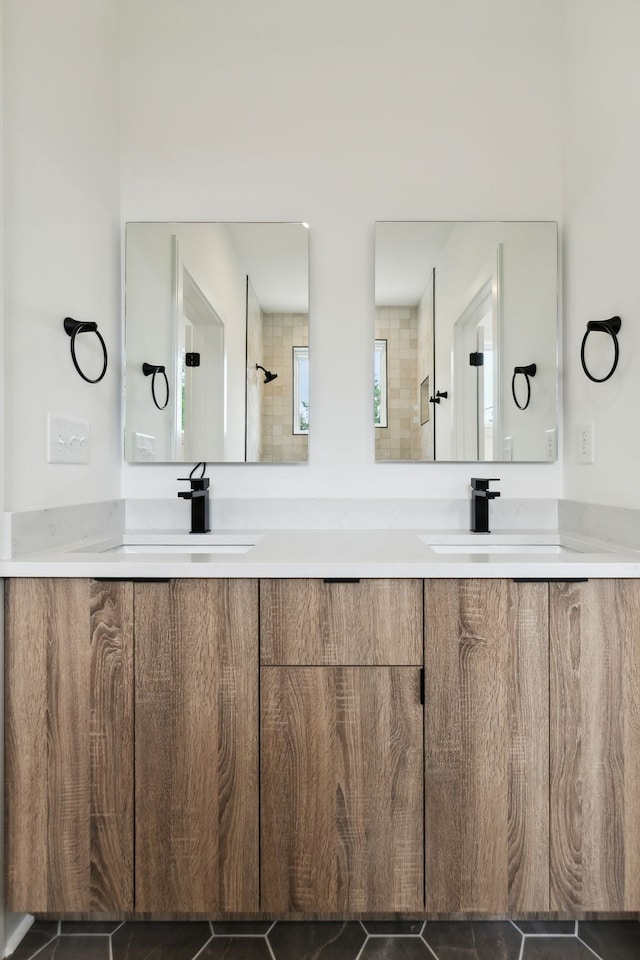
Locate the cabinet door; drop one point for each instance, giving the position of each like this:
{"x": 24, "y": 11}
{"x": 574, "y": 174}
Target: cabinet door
{"x": 341, "y": 789}
{"x": 486, "y": 735}
{"x": 595, "y": 745}
{"x": 196, "y": 727}
{"x": 69, "y": 745}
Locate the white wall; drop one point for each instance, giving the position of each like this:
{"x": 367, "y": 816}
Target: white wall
{"x": 341, "y": 114}
{"x": 337, "y": 114}
{"x": 62, "y": 241}
{"x": 602, "y": 249}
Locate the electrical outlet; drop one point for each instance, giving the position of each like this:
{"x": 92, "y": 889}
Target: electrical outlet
{"x": 551, "y": 444}
{"x": 586, "y": 443}
{"x": 67, "y": 440}
{"x": 507, "y": 448}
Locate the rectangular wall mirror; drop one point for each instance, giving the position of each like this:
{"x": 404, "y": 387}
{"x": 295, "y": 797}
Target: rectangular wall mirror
{"x": 466, "y": 331}
{"x": 216, "y": 342}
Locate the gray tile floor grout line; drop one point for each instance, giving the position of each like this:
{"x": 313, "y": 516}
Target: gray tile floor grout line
{"x": 240, "y": 936}
{"x": 543, "y": 936}
{"x": 268, "y": 943}
{"x": 394, "y": 936}
{"x": 522, "y": 942}
{"x": 578, "y": 937}
{"x": 84, "y": 934}
{"x": 428, "y": 945}
{"x": 366, "y": 940}
{"x": 32, "y": 956}
{"x": 196, "y": 955}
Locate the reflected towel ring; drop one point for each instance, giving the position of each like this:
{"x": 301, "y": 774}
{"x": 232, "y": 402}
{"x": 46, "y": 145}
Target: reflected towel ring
{"x": 150, "y": 370}
{"x": 528, "y": 371}
{"x": 73, "y": 328}
{"x": 610, "y": 326}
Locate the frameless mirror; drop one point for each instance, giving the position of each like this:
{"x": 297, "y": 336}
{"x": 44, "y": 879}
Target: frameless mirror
{"x": 465, "y": 354}
{"x": 217, "y": 342}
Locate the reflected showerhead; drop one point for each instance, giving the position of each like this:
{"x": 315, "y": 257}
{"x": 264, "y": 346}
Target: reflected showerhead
{"x": 268, "y": 376}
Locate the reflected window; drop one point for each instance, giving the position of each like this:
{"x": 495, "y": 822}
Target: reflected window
{"x": 380, "y": 383}
{"x": 300, "y": 390}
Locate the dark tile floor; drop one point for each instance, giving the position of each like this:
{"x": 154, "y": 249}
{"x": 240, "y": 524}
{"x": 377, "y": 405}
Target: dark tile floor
{"x": 369, "y": 940}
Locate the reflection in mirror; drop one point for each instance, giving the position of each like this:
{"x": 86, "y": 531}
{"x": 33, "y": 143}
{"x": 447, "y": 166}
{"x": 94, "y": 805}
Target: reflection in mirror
{"x": 219, "y": 306}
{"x": 459, "y": 306}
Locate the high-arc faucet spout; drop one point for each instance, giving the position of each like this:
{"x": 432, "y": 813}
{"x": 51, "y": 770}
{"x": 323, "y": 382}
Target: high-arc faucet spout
{"x": 480, "y": 497}
{"x": 199, "y": 497}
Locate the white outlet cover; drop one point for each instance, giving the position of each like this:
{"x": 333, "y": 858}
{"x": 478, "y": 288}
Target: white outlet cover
{"x": 68, "y": 441}
{"x": 586, "y": 452}
{"x": 551, "y": 444}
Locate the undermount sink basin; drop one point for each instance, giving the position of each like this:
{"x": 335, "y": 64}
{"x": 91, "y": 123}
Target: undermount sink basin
{"x": 520, "y": 548}
{"x": 503, "y": 543}
{"x": 148, "y": 548}
{"x": 151, "y": 545}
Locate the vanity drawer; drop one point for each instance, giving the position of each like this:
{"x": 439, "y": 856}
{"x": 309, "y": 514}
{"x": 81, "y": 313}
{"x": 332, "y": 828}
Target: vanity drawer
{"x": 328, "y": 622}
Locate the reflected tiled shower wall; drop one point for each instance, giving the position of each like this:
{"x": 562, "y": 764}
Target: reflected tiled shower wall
{"x": 281, "y": 332}
{"x": 400, "y": 439}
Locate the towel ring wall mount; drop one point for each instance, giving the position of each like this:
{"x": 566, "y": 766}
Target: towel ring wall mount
{"x": 610, "y": 327}
{"x": 72, "y": 329}
{"x": 151, "y": 370}
{"x": 526, "y": 372}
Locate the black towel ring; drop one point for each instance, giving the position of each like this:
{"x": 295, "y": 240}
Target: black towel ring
{"x": 528, "y": 371}
{"x": 151, "y": 369}
{"x": 73, "y": 328}
{"x": 610, "y": 326}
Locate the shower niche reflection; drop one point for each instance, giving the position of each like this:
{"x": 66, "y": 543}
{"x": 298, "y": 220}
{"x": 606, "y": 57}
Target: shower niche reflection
{"x": 223, "y": 309}
{"x": 460, "y": 308}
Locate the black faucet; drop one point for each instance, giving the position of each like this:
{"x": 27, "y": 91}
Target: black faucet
{"x": 199, "y": 496}
{"x": 480, "y": 496}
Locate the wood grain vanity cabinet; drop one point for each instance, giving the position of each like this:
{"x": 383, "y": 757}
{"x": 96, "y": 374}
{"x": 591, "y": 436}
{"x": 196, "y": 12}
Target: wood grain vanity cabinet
{"x": 595, "y": 746}
{"x": 134, "y": 781}
{"x": 487, "y": 746}
{"x": 341, "y": 746}
{"x": 131, "y": 717}
{"x": 532, "y": 732}
{"x": 69, "y": 745}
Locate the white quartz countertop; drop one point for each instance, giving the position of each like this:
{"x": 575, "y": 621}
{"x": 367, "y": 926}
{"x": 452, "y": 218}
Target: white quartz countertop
{"x": 141, "y": 554}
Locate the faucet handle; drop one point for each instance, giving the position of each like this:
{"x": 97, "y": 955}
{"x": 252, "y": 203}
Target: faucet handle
{"x": 482, "y": 483}
{"x": 197, "y": 483}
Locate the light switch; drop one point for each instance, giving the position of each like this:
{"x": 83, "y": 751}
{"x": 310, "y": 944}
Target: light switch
{"x": 144, "y": 445}
{"x": 67, "y": 440}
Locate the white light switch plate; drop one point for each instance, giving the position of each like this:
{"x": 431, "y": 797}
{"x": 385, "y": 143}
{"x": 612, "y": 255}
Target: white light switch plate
{"x": 67, "y": 440}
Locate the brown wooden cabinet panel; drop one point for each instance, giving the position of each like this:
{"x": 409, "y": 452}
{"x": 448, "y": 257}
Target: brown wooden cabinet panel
{"x": 196, "y": 732}
{"x": 486, "y": 738}
{"x": 341, "y": 789}
{"x": 314, "y": 622}
{"x": 69, "y": 745}
{"x": 595, "y": 745}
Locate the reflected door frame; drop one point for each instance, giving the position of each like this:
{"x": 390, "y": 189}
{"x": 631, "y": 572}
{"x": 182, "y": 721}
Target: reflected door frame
{"x": 468, "y": 388}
